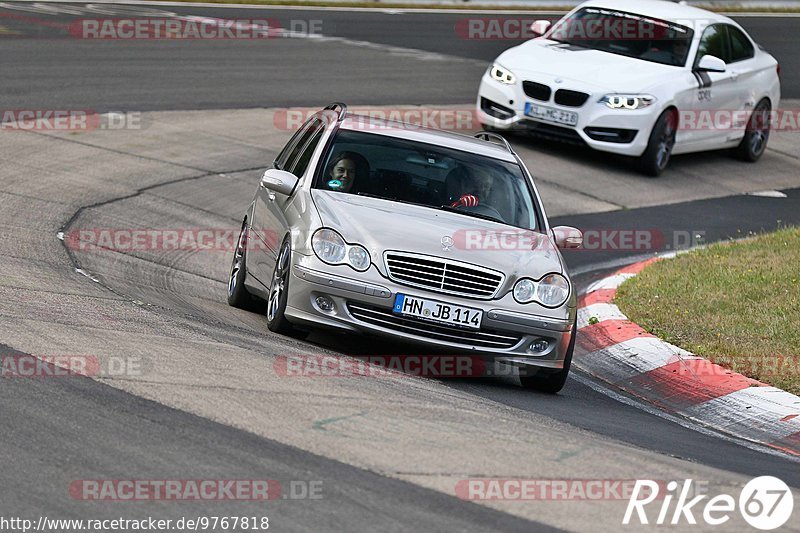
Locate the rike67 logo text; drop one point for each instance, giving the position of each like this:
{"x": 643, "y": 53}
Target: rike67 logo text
{"x": 765, "y": 503}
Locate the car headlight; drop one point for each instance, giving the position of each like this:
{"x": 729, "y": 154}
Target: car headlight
{"x": 502, "y": 75}
{"x": 524, "y": 291}
{"x": 331, "y": 248}
{"x": 551, "y": 291}
{"x": 627, "y": 101}
{"x": 358, "y": 257}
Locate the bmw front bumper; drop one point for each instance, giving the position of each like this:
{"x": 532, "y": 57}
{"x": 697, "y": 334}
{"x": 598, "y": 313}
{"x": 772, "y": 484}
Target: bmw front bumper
{"x": 624, "y": 132}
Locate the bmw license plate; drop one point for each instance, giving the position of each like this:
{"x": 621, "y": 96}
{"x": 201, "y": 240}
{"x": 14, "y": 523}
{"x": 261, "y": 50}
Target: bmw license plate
{"x": 551, "y": 114}
{"x": 454, "y": 315}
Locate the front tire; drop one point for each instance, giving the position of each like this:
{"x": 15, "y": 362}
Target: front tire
{"x": 237, "y": 293}
{"x": 659, "y": 147}
{"x": 552, "y": 382}
{"x": 754, "y": 142}
{"x": 279, "y": 292}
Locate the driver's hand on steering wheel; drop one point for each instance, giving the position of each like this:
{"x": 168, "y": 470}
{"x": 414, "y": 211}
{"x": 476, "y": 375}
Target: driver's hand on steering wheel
{"x": 467, "y": 200}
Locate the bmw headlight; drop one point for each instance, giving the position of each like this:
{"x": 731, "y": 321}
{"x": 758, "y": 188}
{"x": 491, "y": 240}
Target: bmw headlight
{"x": 331, "y": 248}
{"x": 502, "y": 75}
{"x": 551, "y": 291}
{"x": 627, "y": 101}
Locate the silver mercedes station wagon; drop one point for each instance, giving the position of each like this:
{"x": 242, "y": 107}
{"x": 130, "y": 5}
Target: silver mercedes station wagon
{"x": 387, "y": 228}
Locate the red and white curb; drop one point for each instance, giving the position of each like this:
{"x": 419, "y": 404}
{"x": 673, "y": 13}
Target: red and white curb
{"x": 618, "y": 351}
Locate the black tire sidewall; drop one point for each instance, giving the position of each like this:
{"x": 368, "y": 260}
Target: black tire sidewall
{"x": 552, "y": 382}
{"x": 240, "y": 297}
{"x": 279, "y": 324}
{"x": 647, "y": 161}
{"x": 744, "y": 149}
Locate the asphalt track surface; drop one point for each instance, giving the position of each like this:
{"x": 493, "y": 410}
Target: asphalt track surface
{"x": 56, "y": 431}
{"x": 163, "y": 74}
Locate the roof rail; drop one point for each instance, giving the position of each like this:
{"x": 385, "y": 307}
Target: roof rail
{"x": 342, "y": 109}
{"x": 493, "y": 138}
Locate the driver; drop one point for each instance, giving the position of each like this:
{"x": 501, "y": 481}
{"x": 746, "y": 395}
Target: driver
{"x": 343, "y": 170}
{"x": 476, "y": 185}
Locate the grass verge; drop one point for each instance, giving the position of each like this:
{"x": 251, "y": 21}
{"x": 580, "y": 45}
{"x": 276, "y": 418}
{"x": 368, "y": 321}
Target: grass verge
{"x": 737, "y": 304}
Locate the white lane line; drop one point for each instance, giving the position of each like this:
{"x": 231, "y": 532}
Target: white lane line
{"x": 87, "y": 275}
{"x": 600, "y": 312}
{"x": 611, "y": 282}
{"x": 415, "y": 53}
{"x": 767, "y": 194}
{"x": 758, "y": 413}
{"x": 636, "y": 356}
{"x": 688, "y": 424}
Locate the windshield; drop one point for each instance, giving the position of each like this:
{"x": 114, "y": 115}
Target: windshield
{"x": 380, "y": 166}
{"x": 626, "y": 34}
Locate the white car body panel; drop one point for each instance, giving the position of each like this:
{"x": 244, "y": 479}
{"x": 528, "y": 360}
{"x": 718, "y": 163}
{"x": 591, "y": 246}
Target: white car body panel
{"x": 541, "y": 60}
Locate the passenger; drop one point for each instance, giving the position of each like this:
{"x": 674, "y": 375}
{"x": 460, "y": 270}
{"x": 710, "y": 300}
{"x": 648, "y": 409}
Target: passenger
{"x": 344, "y": 169}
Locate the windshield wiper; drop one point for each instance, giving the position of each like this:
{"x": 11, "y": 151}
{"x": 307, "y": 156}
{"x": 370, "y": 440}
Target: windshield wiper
{"x": 389, "y": 198}
{"x": 469, "y": 213}
{"x": 440, "y": 208}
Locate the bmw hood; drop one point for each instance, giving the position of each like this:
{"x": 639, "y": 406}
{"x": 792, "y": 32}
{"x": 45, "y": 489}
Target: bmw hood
{"x": 383, "y": 225}
{"x": 545, "y": 61}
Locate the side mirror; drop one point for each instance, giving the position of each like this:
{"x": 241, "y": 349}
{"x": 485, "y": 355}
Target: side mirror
{"x": 540, "y": 27}
{"x": 279, "y": 181}
{"x": 711, "y": 64}
{"x": 567, "y": 237}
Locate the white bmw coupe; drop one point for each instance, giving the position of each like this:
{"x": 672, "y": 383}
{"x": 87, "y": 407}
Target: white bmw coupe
{"x": 641, "y": 78}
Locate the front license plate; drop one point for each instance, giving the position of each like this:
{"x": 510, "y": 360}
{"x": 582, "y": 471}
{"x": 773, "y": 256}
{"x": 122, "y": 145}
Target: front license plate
{"x": 551, "y": 114}
{"x": 454, "y": 315}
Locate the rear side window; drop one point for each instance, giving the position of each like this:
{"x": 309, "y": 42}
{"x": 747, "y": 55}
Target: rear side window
{"x": 306, "y": 133}
{"x": 299, "y": 166}
{"x": 741, "y": 47}
{"x": 289, "y": 151}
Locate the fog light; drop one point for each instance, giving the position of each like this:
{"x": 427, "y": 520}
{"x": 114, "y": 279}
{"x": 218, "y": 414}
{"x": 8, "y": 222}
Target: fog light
{"x": 325, "y": 303}
{"x": 538, "y": 345}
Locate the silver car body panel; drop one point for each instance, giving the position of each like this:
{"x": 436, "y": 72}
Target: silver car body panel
{"x": 364, "y": 300}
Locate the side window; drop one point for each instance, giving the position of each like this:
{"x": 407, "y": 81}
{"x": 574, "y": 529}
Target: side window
{"x": 299, "y": 166}
{"x": 714, "y": 42}
{"x": 741, "y": 47}
{"x": 288, "y": 150}
{"x": 305, "y": 135}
